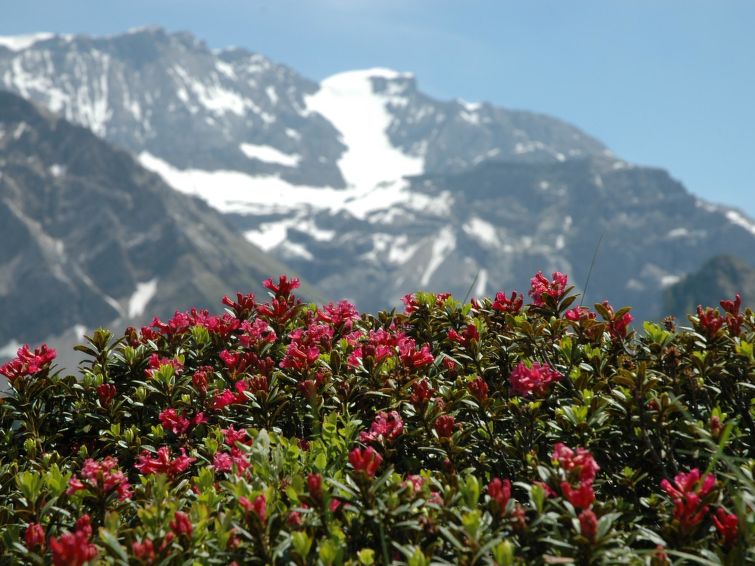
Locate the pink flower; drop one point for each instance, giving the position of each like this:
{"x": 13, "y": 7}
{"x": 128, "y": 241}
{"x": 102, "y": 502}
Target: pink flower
{"x": 365, "y": 460}
{"x": 588, "y": 525}
{"x": 181, "y": 525}
{"x": 74, "y": 549}
{"x": 727, "y": 524}
{"x": 511, "y": 305}
{"x": 500, "y": 492}
{"x": 444, "y": 426}
{"x": 257, "y": 333}
{"x": 617, "y": 327}
{"x": 579, "y": 313}
{"x": 687, "y": 493}
{"x": 27, "y": 362}
{"x": 103, "y": 477}
{"x": 162, "y": 463}
{"x": 344, "y": 313}
{"x": 536, "y": 379}
{"x": 201, "y": 377}
{"x": 35, "y": 536}
{"x": 233, "y": 436}
{"x": 242, "y": 306}
{"x": 579, "y": 464}
{"x": 385, "y": 428}
{"x": 412, "y": 358}
{"x": 174, "y": 422}
{"x": 541, "y": 287}
{"x": 299, "y": 357}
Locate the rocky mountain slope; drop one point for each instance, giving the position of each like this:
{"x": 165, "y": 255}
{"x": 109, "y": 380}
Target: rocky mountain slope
{"x": 720, "y": 277}
{"x": 89, "y": 236}
{"x": 368, "y": 186}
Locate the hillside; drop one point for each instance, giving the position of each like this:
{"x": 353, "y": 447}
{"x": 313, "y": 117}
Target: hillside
{"x": 90, "y": 237}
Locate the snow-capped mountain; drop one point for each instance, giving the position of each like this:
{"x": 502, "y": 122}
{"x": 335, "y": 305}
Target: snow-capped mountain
{"x": 368, "y": 186}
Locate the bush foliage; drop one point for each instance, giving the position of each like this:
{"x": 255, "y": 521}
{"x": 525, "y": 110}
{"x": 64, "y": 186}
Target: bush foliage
{"x": 506, "y": 430}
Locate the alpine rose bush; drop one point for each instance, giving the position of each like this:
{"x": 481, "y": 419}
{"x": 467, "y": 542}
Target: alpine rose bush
{"x": 491, "y": 432}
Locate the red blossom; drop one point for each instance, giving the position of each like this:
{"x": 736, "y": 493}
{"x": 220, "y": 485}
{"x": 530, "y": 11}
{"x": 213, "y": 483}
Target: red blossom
{"x": 734, "y": 318}
{"x": 314, "y": 486}
{"x": 144, "y": 551}
{"x": 284, "y": 286}
{"x": 500, "y": 491}
{"x": 106, "y": 393}
{"x": 162, "y": 463}
{"x": 155, "y": 362}
{"x": 478, "y": 387}
{"x": 710, "y": 320}
{"x": 201, "y": 377}
{"x": 258, "y": 507}
{"x": 243, "y": 306}
{"x": 35, "y": 536}
{"x": 617, "y": 327}
{"x": 74, "y": 549}
{"x": 27, "y": 362}
{"x": 181, "y": 525}
{"x": 256, "y": 334}
{"x": 541, "y": 287}
{"x": 365, "y": 460}
{"x": 444, "y": 426}
{"x": 581, "y": 497}
{"x": 175, "y": 423}
{"x": 579, "y": 313}
{"x": 385, "y": 428}
{"x": 421, "y": 393}
{"x": 103, "y": 477}
{"x": 687, "y": 493}
{"x": 412, "y": 358}
{"x": 580, "y": 463}
{"x": 526, "y": 380}
{"x": 467, "y": 338}
{"x": 342, "y": 314}
{"x": 588, "y": 525}
{"x": 511, "y": 305}
{"x": 300, "y": 358}
{"x": 727, "y": 524}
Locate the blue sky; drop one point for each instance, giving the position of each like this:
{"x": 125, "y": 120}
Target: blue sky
{"x": 662, "y": 82}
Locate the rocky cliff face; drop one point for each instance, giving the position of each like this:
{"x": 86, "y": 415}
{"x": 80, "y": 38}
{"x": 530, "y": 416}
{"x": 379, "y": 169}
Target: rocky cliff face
{"x": 89, "y": 236}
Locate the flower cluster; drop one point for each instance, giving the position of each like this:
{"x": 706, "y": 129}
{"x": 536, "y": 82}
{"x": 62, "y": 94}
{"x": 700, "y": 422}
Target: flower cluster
{"x": 534, "y": 379}
{"x": 280, "y": 431}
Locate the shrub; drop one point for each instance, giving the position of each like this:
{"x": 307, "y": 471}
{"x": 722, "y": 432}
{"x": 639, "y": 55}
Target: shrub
{"x": 487, "y": 432}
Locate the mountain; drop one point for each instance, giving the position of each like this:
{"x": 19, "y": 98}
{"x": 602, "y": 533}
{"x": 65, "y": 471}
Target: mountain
{"x": 371, "y": 188}
{"x": 89, "y": 236}
{"x": 720, "y": 277}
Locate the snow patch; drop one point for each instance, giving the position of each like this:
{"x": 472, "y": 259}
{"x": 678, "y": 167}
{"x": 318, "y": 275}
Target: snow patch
{"x": 57, "y": 170}
{"x": 740, "y": 220}
{"x": 668, "y": 280}
{"x": 443, "y": 245}
{"x": 21, "y": 42}
{"x": 481, "y": 230}
{"x": 678, "y": 233}
{"x": 296, "y": 250}
{"x": 79, "y": 330}
{"x": 232, "y": 191}
{"x": 142, "y": 296}
{"x": 348, "y": 101}
{"x": 270, "y": 154}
